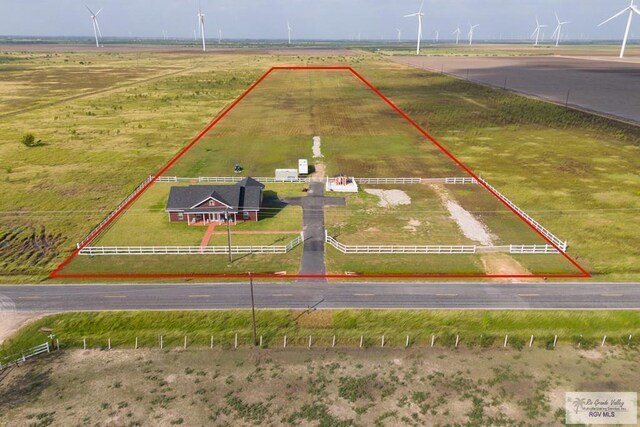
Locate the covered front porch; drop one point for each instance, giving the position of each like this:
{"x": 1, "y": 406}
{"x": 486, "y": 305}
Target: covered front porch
{"x": 207, "y": 218}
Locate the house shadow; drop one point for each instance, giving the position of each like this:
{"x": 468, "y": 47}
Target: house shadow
{"x": 272, "y": 205}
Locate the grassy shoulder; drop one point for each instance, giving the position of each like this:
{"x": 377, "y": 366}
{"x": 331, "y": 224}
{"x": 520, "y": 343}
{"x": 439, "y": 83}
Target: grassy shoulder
{"x": 474, "y": 328}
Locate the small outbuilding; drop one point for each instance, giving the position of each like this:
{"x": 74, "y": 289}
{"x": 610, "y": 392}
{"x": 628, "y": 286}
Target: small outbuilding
{"x": 203, "y": 204}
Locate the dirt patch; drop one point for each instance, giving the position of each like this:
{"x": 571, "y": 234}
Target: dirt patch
{"x": 417, "y": 386}
{"x": 412, "y": 225}
{"x": 469, "y": 225}
{"x": 390, "y": 198}
{"x": 317, "y": 150}
{"x": 500, "y": 263}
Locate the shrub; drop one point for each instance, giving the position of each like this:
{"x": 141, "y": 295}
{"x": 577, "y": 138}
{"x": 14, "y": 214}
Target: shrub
{"x": 29, "y": 140}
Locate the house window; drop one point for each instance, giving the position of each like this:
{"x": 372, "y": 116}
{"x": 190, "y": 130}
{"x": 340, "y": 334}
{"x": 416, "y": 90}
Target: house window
{"x": 211, "y": 203}
{"x": 245, "y": 215}
{"x": 180, "y": 216}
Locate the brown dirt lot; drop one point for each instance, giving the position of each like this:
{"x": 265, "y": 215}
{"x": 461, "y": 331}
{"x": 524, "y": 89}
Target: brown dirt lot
{"x": 309, "y": 387}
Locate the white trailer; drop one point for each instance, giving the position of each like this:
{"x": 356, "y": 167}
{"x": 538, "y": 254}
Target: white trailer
{"x": 303, "y": 167}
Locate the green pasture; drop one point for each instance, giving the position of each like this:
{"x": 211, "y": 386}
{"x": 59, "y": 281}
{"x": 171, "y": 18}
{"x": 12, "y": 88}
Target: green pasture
{"x": 274, "y": 126}
{"x": 474, "y": 327}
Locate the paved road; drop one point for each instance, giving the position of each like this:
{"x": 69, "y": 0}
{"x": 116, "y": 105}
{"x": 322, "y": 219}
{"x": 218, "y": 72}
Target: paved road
{"x": 54, "y": 298}
{"x": 608, "y": 87}
{"x": 313, "y": 227}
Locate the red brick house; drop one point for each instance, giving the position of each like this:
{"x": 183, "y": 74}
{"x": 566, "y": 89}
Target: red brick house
{"x": 214, "y": 203}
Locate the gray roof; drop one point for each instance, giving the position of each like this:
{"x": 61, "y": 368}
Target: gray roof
{"x": 245, "y": 195}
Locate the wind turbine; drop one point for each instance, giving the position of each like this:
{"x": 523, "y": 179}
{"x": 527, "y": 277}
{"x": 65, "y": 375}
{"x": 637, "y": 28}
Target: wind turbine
{"x": 558, "y": 29}
{"x": 399, "y": 34}
{"x": 437, "y": 36}
{"x": 419, "y": 14}
{"x": 201, "y": 28}
{"x": 632, "y": 9}
{"x": 289, "y": 31}
{"x": 457, "y": 33}
{"x": 96, "y": 27}
{"x": 219, "y": 35}
{"x": 471, "y": 28}
{"x": 536, "y": 32}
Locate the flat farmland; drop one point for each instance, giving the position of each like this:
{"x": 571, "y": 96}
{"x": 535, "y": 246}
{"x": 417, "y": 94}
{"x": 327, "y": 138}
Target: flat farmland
{"x": 572, "y": 171}
{"x": 603, "y": 85}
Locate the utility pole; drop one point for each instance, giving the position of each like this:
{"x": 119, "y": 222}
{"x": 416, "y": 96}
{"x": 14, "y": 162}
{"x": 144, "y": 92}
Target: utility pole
{"x": 253, "y": 311}
{"x": 226, "y": 215}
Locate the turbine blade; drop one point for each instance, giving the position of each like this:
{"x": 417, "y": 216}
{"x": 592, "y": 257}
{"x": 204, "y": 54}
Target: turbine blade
{"x": 98, "y": 12}
{"x": 555, "y": 31}
{"x": 614, "y": 16}
{"x": 635, "y": 9}
{"x": 98, "y": 27}
{"x": 421, "y": 6}
{"x": 409, "y": 16}
{"x": 534, "y": 32}
{"x": 90, "y": 11}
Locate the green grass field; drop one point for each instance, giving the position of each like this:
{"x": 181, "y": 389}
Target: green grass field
{"x": 102, "y": 139}
{"x": 474, "y": 327}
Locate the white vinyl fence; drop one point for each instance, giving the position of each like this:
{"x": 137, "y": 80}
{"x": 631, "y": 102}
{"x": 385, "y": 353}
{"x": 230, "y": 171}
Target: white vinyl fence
{"x": 227, "y": 179}
{"x": 390, "y": 249}
{"x": 115, "y": 211}
{"x": 562, "y": 244}
{"x": 532, "y": 249}
{"x": 32, "y": 352}
{"x": 190, "y": 250}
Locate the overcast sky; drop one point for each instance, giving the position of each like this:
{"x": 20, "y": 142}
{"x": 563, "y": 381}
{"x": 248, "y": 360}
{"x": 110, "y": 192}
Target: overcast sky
{"x": 312, "y": 19}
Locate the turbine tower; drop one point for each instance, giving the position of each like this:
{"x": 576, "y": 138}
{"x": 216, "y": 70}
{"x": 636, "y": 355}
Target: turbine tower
{"x": 536, "y": 32}
{"x": 201, "y": 28}
{"x": 419, "y": 14}
{"x": 436, "y": 39}
{"x": 558, "y": 29}
{"x": 399, "y": 34}
{"x": 289, "y": 31}
{"x": 632, "y": 8}
{"x": 457, "y": 33}
{"x": 471, "y": 28}
{"x": 96, "y": 27}
{"x": 219, "y": 35}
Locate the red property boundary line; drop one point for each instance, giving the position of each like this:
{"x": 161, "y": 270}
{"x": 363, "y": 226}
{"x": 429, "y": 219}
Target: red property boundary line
{"x": 56, "y": 274}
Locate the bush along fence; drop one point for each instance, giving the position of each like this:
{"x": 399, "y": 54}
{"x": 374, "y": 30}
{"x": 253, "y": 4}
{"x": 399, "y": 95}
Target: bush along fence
{"x": 190, "y": 250}
{"x": 324, "y": 341}
{"x": 435, "y": 249}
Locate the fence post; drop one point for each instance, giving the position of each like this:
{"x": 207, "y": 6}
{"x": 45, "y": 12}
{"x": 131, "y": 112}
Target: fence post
{"x": 136, "y": 345}
{"x": 604, "y": 339}
{"x": 185, "y": 342}
{"x": 260, "y": 341}
{"x": 382, "y": 343}
{"x": 433, "y": 340}
{"x": 361, "y": 340}
{"x": 309, "y": 342}
{"x": 555, "y": 341}
{"x": 457, "y": 340}
{"x": 161, "y": 342}
{"x": 236, "y": 341}
{"x": 285, "y": 342}
{"x": 506, "y": 337}
{"x": 531, "y": 341}
{"x": 212, "y": 341}
{"x": 84, "y": 343}
{"x": 629, "y": 342}
{"x": 333, "y": 343}
{"x": 57, "y": 344}
{"x": 406, "y": 345}
{"x": 109, "y": 343}
{"x": 48, "y": 351}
